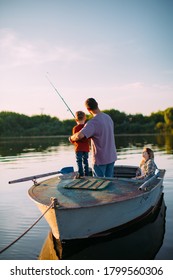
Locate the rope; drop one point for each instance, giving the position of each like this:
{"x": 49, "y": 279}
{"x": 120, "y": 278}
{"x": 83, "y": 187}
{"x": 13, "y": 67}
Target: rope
{"x": 8, "y": 246}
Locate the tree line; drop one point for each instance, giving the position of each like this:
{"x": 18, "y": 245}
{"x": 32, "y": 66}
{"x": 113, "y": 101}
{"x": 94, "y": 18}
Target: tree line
{"x": 19, "y": 125}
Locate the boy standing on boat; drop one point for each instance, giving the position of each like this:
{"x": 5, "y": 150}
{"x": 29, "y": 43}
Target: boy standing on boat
{"x": 101, "y": 131}
{"x": 82, "y": 147}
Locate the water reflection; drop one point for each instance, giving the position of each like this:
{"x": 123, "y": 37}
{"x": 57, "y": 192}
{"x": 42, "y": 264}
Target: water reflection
{"x": 161, "y": 142}
{"x": 141, "y": 241}
{"x": 18, "y": 146}
{"x": 165, "y": 142}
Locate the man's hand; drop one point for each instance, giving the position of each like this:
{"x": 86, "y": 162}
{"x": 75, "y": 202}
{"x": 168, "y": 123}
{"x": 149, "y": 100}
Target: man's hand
{"x": 70, "y": 140}
{"x": 77, "y": 136}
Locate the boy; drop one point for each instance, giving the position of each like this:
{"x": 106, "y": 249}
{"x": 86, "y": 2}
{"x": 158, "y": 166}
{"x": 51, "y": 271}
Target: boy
{"x": 82, "y": 147}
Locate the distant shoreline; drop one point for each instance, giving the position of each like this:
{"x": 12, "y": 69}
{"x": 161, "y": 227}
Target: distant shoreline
{"x": 64, "y": 136}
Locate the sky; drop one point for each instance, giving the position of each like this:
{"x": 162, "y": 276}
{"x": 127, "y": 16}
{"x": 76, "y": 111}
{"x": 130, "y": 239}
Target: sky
{"x": 119, "y": 52}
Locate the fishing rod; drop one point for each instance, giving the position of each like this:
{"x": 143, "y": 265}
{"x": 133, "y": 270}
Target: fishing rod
{"x": 60, "y": 96}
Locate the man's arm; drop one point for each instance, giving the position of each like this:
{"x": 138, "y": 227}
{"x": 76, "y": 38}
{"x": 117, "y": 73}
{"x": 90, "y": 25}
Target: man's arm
{"x": 77, "y": 136}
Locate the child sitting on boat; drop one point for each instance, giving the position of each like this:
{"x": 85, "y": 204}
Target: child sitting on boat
{"x": 147, "y": 165}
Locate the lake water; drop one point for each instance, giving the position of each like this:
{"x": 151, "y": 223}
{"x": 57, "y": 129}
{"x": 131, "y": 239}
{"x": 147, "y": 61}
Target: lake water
{"x": 24, "y": 157}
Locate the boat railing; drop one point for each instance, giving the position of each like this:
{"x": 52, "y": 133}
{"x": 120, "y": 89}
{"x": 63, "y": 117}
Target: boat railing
{"x": 145, "y": 186}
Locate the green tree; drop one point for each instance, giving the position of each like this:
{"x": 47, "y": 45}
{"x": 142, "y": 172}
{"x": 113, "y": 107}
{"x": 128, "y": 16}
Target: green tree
{"x": 157, "y": 117}
{"x": 168, "y": 116}
{"x": 160, "y": 127}
{"x": 14, "y": 124}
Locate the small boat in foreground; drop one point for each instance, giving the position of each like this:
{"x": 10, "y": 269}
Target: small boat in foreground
{"x": 91, "y": 206}
{"x": 140, "y": 241}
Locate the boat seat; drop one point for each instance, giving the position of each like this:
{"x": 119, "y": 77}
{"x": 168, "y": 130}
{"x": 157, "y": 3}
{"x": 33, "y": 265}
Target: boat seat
{"x": 88, "y": 184}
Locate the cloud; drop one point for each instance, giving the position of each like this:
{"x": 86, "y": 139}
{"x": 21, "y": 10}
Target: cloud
{"x": 129, "y": 86}
{"x": 15, "y": 51}
{"x": 140, "y": 86}
{"x": 166, "y": 87}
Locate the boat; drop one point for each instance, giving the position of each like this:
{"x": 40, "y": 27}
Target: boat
{"x": 91, "y": 206}
{"x": 141, "y": 241}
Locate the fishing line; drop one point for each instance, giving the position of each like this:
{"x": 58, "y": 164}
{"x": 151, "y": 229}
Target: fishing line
{"x": 59, "y": 94}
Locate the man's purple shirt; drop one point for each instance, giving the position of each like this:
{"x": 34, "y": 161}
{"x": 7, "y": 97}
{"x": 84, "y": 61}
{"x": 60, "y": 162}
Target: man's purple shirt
{"x": 101, "y": 131}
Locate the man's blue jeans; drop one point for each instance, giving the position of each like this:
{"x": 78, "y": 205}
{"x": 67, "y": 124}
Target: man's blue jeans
{"x": 105, "y": 170}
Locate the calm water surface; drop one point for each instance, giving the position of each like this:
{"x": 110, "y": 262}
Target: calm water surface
{"x": 26, "y": 157}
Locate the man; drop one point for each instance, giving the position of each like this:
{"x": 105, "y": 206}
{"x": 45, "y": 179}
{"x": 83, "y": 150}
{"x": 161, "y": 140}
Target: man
{"x": 101, "y": 131}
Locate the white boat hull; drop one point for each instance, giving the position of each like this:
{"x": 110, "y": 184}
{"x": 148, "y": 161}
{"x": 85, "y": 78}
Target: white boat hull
{"x": 83, "y": 221}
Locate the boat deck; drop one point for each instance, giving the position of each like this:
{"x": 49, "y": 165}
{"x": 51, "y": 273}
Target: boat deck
{"x": 75, "y": 193}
